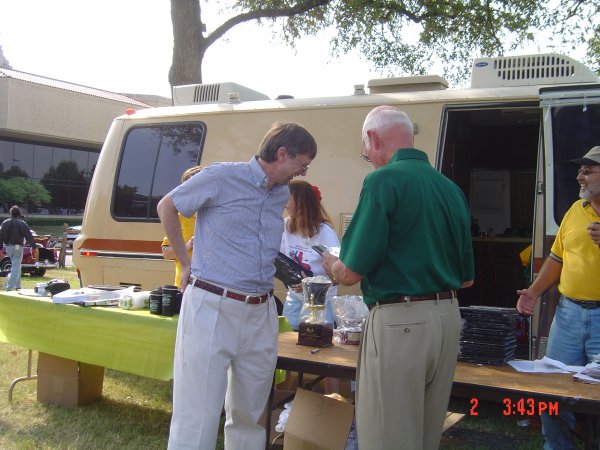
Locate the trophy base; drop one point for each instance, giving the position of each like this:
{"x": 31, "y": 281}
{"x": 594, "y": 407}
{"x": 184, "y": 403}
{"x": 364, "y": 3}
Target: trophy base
{"x": 315, "y": 334}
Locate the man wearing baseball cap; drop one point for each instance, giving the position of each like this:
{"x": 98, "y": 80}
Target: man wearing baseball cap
{"x": 574, "y": 262}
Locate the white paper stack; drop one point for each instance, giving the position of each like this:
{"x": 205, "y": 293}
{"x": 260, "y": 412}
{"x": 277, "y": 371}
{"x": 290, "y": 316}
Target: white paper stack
{"x": 88, "y": 297}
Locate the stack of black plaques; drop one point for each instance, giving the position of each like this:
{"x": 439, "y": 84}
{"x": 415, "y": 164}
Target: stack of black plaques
{"x": 488, "y": 334}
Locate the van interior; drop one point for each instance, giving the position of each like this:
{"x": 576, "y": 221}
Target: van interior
{"x": 491, "y": 153}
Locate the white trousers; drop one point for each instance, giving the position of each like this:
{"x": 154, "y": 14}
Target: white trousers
{"x": 225, "y": 352}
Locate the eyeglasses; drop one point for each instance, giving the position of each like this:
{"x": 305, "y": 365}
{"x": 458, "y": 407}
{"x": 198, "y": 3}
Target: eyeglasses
{"x": 364, "y": 156}
{"x": 586, "y": 172}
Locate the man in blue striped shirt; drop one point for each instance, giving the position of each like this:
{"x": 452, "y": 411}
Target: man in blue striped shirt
{"x": 226, "y": 346}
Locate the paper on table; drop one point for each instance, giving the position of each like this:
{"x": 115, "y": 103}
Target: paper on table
{"x": 589, "y": 374}
{"x": 89, "y": 297}
{"x": 544, "y": 365}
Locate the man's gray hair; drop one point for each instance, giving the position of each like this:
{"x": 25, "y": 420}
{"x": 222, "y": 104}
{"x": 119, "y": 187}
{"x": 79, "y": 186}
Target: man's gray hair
{"x": 384, "y": 117}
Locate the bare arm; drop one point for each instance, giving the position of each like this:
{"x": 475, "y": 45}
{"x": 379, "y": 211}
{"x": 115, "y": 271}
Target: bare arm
{"x": 168, "y": 216}
{"x": 338, "y": 272}
{"x": 548, "y": 275}
{"x": 168, "y": 252}
{"x": 593, "y": 230}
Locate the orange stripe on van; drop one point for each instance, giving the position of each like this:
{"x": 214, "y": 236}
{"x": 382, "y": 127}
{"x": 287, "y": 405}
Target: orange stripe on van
{"x": 122, "y": 245}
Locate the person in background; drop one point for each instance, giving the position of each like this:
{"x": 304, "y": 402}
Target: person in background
{"x": 574, "y": 262}
{"x": 307, "y": 224}
{"x": 226, "y": 342}
{"x": 14, "y": 233}
{"x": 187, "y": 230}
{"x": 409, "y": 243}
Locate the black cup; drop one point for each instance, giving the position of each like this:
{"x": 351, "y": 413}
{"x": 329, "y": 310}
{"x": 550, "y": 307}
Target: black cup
{"x": 169, "y": 299}
{"x": 155, "y": 301}
{"x": 178, "y": 303}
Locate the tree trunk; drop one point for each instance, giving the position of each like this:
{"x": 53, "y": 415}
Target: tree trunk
{"x": 188, "y": 43}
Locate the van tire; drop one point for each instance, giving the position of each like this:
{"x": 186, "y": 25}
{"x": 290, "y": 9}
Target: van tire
{"x": 5, "y": 266}
{"x": 38, "y": 272}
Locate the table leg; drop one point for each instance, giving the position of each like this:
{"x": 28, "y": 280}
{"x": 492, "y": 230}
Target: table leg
{"x": 592, "y": 432}
{"x": 28, "y": 377}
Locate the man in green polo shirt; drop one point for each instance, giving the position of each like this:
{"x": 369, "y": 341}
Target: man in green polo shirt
{"x": 409, "y": 243}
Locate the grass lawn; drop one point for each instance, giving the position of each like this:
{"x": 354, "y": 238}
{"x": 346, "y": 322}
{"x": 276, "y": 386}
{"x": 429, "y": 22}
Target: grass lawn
{"x": 135, "y": 411}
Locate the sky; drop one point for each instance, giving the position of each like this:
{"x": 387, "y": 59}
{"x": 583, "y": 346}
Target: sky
{"x": 126, "y": 46}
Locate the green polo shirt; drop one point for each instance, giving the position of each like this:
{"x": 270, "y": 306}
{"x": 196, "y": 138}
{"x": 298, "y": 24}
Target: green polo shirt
{"x": 410, "y": 234}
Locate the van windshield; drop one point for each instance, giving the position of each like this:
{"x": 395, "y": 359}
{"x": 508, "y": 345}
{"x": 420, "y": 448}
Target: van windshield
{"x": 152, "y": 161}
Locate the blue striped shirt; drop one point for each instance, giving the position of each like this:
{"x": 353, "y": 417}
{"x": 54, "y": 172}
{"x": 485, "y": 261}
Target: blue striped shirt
{"x": 238, "y": 226}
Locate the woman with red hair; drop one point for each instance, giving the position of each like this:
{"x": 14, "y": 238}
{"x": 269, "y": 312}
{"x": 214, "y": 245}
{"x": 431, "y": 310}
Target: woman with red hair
{"x": 308, "y": 224}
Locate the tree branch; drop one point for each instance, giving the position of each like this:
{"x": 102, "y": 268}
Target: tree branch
{"x": 269, "y": 13}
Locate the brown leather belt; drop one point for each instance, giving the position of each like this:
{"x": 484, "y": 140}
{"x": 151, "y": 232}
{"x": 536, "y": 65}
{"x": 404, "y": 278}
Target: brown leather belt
{"x": 252, "y": 300}
{"x": 415, "y": 298}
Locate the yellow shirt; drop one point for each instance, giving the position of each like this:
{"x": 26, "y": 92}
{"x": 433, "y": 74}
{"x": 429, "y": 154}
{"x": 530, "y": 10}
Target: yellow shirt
{"x": 187, "y": 230}
{"x": 580, "y": 275}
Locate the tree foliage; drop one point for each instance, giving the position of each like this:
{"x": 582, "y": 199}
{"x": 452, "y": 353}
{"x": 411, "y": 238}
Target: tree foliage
{"x": 67, "y": 184}
{"x": 401, "y": 35}
{"x": 22, "y": 191}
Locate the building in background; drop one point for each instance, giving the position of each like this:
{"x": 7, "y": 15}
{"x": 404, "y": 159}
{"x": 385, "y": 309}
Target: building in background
{"x": 52, "y": 131}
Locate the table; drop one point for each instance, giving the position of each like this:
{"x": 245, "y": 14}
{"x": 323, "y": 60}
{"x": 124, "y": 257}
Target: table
{"x": 129, "y": 341}
{"x": 136, "y": 342}
{"x": 530, "y": 393}
{"x": 473, "y": 381}
{"x": 338, "y": 361}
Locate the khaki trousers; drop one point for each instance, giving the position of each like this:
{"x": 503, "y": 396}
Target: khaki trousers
{"x": 405, "y": 373}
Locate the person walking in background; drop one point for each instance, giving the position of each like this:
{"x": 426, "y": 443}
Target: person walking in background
{"x": 409, "y": 243}
{"x": 14, "y": 233}
{"x": 226, "y": 343}
{"x": 187, "y": 230}
{"x": 574, "y": 262}
{"x": 307, "y": 225}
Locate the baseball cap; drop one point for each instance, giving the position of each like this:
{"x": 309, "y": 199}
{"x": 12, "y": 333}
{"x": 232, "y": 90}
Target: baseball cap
{"x": 591, "y": 158}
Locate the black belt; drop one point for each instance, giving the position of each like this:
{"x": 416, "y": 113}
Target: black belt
{"x": 589, "y": 304}
{"x": 253, "y": 300}
{"x": 415, "y": 298}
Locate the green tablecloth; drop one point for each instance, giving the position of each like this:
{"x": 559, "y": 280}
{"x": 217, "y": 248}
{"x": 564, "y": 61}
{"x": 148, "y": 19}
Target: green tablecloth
{"x": 130, "y": 341}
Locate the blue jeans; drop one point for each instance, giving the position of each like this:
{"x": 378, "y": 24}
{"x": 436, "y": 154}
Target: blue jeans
{"x": 573, "y": 339}
{"x": 15, "y": 253}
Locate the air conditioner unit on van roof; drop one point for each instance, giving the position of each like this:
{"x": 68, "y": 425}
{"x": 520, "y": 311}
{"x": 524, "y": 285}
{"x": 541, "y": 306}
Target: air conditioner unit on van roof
{"x": 526, "y": 70}
{"x": 214, "y": 93}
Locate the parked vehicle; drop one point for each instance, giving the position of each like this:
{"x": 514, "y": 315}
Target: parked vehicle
{"x": 504, "y": 141}
{"x": 36, "y": 259}
{"x": 72, "y": 233}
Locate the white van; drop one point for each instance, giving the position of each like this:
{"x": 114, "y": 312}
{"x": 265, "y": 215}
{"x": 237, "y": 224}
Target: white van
{"x": 505, "y": 141}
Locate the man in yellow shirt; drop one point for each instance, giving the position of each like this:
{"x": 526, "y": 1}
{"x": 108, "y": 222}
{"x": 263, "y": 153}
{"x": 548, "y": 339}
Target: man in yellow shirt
{"x": 574, "y": 263}
{"x": 187, "y": 230}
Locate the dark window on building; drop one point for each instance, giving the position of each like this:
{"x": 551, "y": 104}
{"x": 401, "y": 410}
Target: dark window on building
{"x": 65, "y": 172}
{"x": 575, "y": 130}
{"x": 152, "y": 161}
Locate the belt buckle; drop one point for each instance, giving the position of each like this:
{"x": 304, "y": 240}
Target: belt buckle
{"x": 248, "y": 298}
{"x": 405, "y": 298}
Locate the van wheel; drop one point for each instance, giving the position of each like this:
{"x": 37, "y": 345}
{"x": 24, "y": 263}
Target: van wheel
{"x": 5, "y": 266}
{"x": 38, "y": 272}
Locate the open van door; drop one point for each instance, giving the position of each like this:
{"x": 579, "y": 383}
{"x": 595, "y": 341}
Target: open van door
{"x": 571, "y": 126}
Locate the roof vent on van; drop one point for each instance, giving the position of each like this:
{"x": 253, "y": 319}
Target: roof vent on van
{"x": 526, "y": 70}
{"x": 213, "y": 93}
{"x": 407, "y": 84}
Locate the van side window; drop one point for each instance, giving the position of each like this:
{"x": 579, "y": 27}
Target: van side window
{"x": 575, "y": 130}
{"x": 152, "y": 161}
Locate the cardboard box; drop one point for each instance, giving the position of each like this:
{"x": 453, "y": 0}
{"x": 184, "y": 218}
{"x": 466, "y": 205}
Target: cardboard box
{"x": 317, "y": 422}
{"x": 280, "y": 397}
{"x": 66, "y": 382}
